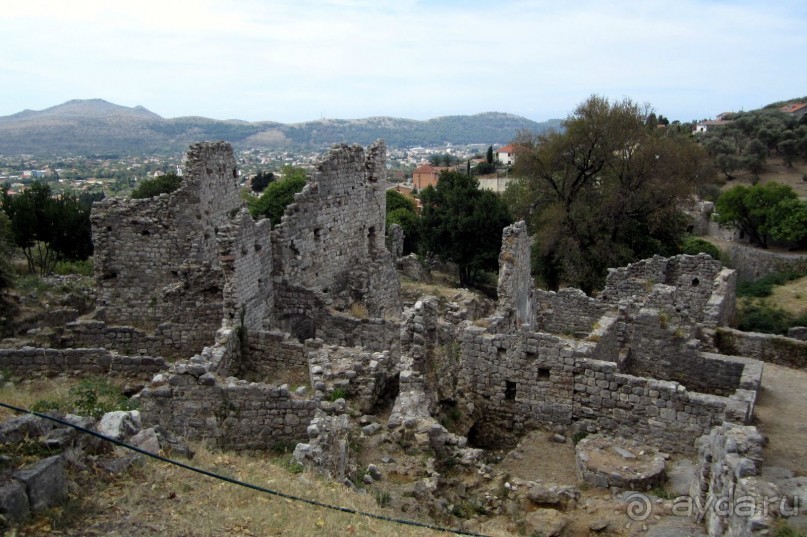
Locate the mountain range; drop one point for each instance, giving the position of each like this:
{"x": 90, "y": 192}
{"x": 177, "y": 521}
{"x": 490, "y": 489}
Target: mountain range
{"x": 95, "y": 126}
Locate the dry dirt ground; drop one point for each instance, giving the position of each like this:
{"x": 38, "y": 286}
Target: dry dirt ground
{"x": 780, "y": 414}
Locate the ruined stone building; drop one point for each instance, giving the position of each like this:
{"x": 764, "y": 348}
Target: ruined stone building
{"x": 264, "y": 324}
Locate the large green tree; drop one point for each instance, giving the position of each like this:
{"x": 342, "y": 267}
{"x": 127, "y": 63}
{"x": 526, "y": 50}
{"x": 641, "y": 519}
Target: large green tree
{"x": 279, "y": 194}
{"x": 763, "y": 212}
{"x": 48, "y": 228}
{"x": 463, "y": 224}
{"x": 604, "y": 191}
{"x": 401, "y": 210}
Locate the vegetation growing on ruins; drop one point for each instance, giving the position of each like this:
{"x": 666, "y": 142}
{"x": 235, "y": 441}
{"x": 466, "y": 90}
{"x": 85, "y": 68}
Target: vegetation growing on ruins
{"x": 48, "y": 228}
{"x": 278, "y": 195}
{"x": 604, "y": 191}
{"x": 162, "y": 184}
{"x": 764, "y": 212}
{"x": 463, "y": 224}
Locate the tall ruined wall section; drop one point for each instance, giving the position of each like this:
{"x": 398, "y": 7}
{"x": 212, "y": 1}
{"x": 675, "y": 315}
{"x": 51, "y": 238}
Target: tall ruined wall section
{"x": 157, "y": 259}
{"x": 329, "y": 247}
{"x": 515, "y": 281}
{"x": 245, "y": 254}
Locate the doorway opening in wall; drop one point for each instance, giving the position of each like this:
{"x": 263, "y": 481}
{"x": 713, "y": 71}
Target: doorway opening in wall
{"x": 386, "y": 397}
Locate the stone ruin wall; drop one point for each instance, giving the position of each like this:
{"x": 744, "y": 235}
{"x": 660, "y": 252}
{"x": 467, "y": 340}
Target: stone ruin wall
{"x": 235, "y": 414}
{"x": 515, "y": 281}
{"x": 156, "y": 259}
{"x": 773, "y": 348}
{"x": 567, "y": 311}
{"x": 29, "y": 362}
{"x": 663, "y": 351}
{"x": 331, "y": 240}
{"x": 729, "y": 464}
{"x": 531, "y": 379}
{"x": 629, "y": 371}
{"x": 245, "y": 254}
{"x": 703, "y": 289}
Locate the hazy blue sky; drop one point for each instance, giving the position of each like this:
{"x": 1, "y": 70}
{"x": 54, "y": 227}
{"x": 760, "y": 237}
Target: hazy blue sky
{"x": 297, "y": 60}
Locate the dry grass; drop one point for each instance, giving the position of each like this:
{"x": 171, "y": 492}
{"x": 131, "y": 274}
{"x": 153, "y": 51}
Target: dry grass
{"x": 24, "y": 394}
{"x": 359, "y": 310}
{"x": 156, "y": 498}
{"x": 160, "y": 499}
{"x": 791, "y": 297}
{"x": 775, "y": 171}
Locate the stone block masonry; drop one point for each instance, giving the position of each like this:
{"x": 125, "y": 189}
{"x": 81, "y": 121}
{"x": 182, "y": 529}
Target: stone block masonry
{"x": 157, "y": 259}
{"x": 331, "y": 239}
{"x": 30, "y": 362}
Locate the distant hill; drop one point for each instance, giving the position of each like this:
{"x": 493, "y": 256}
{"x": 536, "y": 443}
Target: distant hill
{"x": 96, "y": 126}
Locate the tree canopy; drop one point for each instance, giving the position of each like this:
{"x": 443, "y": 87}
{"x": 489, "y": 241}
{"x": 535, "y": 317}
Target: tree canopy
{"x": 402, "y": 211}
{"x": 463, "y": 224}
{"x": 278, "y": 195}
{"x": 261, "y": 181}
{"x": 763, "y": 212}
{"x": 604, "y": 191}
{"x": 48, "y": 228}
{"x": 162, "y": 184}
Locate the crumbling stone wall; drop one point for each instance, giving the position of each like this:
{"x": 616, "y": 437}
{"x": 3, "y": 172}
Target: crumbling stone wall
{"x": 527, "y": 379}
{"x": 519, "y": 381}
{"x": 772, "y": 348}
{"x": 752, "y": 263}
{"x": 515, "y": 281}
{"x": 32, "y": 362}
{"x": 331, "y": 239}
{"x": 567, "y": 311}
{"x": 695, "y": 278}
{"x": 245, "y": 254}
{"x": 236, "y": 414}
{"x": 268, "y": 354}
{"x": 663, "y": 351}
{"x": 156, "y": 259}
{"x": 733, "y": 500}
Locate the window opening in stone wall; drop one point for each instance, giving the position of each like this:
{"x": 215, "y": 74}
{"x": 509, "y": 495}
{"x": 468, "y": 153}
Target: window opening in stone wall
{"x": 690, "y": 228}
{"x": 543, "y": 373}
{"x": 317, "y": 234}
{"x": 509, "y": 390}
{"x": 371, "y": 240}
{"x": 145, "y": 233}
{"x": 695, "y": 282}
{"x": 501, "y": 353}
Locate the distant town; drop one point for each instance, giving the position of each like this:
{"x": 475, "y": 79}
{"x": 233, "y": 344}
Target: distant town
{"x": 113, "y": 174}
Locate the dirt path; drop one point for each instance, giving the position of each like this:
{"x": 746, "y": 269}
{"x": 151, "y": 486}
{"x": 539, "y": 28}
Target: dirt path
{"x": 781, "y": 414}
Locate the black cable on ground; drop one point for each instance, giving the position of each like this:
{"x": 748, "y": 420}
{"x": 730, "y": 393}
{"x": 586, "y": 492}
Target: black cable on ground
{"x": 241, "y": 483}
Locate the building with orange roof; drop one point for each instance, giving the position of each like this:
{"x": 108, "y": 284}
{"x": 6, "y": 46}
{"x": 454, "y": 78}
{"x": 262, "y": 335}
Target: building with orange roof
{"x": 795, "y": 109}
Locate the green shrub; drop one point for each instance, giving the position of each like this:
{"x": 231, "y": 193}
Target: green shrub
{"x": 91, "y": 397}
{"x": 760, "y": 317}
{"x": 83, "y": 268}
{"x": 338, "y": 393}
{"x": 694, "y": 246}
{"x": 276, "y": 197}
{"x": 163, "y": 184}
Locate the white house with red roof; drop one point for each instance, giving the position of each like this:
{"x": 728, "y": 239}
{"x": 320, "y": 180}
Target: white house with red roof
{"x": 507, "y": 154}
